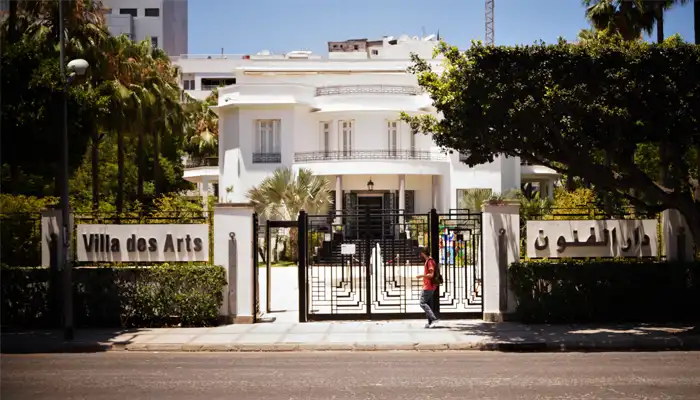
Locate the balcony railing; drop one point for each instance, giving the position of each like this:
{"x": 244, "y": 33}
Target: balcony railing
{"x": 369, "y": 89}
{"x": 267, "y": 158}
{"x": 202, "y": 162}
{"x": 425, "y": 155}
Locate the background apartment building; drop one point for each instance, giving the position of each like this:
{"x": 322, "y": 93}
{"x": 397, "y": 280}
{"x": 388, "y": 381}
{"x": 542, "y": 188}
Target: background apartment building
{"x": 163, "y": 21}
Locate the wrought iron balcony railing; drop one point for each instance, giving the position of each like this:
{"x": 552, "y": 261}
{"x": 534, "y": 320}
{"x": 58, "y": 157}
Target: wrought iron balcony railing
{"x": 202, "y": 162}
{"x": 425, "y": 155}
{"x": 267, "y": 158}
{"x": 369, "y": 89}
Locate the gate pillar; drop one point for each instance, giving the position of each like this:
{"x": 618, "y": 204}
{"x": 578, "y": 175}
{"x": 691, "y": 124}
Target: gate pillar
{"x": 501, "y": 235}
{"x": 234, "y": 249}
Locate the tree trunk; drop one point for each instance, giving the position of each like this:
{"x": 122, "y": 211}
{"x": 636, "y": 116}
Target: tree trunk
{"x": 141, "y": 166}
{"x": 660, "y": 23}
{"x": 156, "y": 163}
{"x": 120, "y": 172}
{"x": 95, "y": 170}
{"x": 12, "y": 22}
{"x": 692, "y": 217}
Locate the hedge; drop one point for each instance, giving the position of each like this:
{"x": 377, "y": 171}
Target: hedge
{"x": 162, "y": 295}
{"x": 577, "y": 291}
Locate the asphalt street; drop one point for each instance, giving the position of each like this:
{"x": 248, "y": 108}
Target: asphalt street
{"x": 358, "y": 375}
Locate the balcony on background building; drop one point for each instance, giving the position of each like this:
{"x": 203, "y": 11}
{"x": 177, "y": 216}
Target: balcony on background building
{"x": 267, "y": 158}
{"x": 196, "y": 162}
{"x": 369, "y": 89}
{"x": 358, "y": 155}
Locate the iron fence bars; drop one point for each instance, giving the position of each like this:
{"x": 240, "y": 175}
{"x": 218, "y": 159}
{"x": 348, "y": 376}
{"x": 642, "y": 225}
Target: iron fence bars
{"x": 267, "y": 158}
{"x": 20, "y": 239}
{"x": 460, "y": 255}
{"x": 256, "y": 270}
{"x": 364, "y": 264}
{"x": 321, "y": 155}
{"x": 302, "y": 271}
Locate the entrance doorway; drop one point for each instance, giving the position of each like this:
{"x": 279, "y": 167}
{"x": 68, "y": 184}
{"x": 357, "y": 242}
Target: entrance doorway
{"x": 370, "y": 228}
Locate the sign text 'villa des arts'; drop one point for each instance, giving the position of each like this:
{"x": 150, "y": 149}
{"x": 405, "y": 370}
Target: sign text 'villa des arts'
{"x": 592, "y": 238}
{"x": 143, "y": 242}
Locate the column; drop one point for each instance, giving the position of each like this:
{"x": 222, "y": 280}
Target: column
{"x": 500, "y": 227}
{"x": 204, "y": 193}
{"x": 435, "y": 191}
{"x": 233, "y": 250}
{"x": 676, "y": 237}
{"x": 550, "y": 189}
{"x": 402, "y": 201}
{"x": 338, "y": 199}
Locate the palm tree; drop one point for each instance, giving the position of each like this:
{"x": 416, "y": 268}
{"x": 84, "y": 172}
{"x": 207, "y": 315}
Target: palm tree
{"x": 203, "y": 135}
{"x": 472, "y": 199}
{"x": 629, "y": 18}
{"x": 284, "y": 194}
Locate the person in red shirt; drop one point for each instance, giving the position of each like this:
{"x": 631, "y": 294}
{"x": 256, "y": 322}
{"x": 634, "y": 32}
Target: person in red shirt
{"x": 428, "y": 287}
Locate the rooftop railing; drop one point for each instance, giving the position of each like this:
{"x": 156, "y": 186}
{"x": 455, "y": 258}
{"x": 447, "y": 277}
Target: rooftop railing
{"x": 425, "y": 155}
{"x": 369, "y": 89}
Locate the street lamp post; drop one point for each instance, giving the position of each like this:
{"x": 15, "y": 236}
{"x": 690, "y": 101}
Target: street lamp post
{"x": 75, "y": 67}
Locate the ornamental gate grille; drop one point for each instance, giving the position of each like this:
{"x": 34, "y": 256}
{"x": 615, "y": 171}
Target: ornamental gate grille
{"x": 362, "y": 265}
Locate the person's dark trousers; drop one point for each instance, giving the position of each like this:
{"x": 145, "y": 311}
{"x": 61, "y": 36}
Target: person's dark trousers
{"x": 426, "y": 301}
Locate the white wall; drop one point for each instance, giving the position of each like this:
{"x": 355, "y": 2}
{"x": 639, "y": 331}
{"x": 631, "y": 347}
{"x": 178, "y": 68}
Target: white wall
{"x": 238, "y": 168}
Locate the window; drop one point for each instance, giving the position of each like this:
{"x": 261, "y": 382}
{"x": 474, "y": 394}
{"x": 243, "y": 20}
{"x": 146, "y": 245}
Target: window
{"x": 267, "y": 141}
{"x": 393, "y": 136}
{"x": 154, "y": 42}
{"x": 325, "y": 138}
{"x": 186, "y": 84}
{"x": 213, "y": 83}
{"x": 346, "y": 136}
{"x": 357, "y": 47}
{"x": 152, "y": 12}
{"x": 128, "y": 11}
{"x": 375, "y": 52}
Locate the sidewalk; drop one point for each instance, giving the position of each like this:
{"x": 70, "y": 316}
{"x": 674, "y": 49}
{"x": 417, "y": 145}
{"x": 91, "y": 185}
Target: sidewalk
{"x": 367, "y": 336}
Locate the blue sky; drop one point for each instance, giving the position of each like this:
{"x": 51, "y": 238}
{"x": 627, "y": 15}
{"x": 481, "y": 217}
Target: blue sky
{"x": 241, "y": 26}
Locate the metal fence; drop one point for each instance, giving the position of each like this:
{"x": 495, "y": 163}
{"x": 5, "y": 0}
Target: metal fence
{"x": 20, "y": 239}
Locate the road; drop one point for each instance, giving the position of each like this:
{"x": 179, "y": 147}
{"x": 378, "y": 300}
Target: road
{"x": 360, "y": 375}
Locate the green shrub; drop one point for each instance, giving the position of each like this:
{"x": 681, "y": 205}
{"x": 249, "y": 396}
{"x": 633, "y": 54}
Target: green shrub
{"x": 574, "y": 291}
{"x": 163, "y": 295}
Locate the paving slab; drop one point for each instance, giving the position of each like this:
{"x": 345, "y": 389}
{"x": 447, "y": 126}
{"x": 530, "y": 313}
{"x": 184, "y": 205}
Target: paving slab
{"x": 366, "y": 336}
{"x": 311, "y": 327}
{"x": 215, "y": 338}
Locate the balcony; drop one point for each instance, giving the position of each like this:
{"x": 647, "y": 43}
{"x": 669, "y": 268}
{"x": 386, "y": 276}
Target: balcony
{"x": 197, "y": 162}
{"x": 359, "y": 155}
{"x": 201, "y": 169}
{"x": 369, "y": 89}
{"x": 267, "y": 158}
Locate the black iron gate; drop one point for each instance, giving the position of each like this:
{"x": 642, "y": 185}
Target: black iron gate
{"x": 363, "y": 265}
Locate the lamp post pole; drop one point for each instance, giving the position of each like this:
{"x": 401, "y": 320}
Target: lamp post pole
{"x": 67, "y": 267}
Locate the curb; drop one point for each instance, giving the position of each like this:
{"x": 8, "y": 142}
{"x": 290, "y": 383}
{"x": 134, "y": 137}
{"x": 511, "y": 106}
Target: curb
{"x": 626, "y": 345}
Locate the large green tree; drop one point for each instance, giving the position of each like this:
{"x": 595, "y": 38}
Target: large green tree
{"x": 589, "y": 110}
{"x": 130, "y": 97}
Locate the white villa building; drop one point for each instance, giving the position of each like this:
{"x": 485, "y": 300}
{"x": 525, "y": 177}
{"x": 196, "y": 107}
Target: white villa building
{"x": 337, "y": 116}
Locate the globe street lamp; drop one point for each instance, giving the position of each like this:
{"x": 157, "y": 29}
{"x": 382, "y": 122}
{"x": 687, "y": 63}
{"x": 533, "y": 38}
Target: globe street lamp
{"x": 75, "y": 68}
